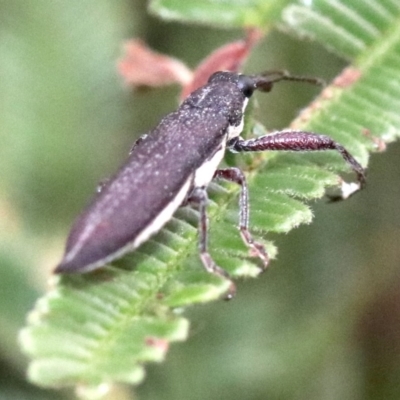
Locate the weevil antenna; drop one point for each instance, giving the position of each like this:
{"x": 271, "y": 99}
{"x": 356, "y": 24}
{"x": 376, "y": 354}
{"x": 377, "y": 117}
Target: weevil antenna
{"x": 265, "y": 81}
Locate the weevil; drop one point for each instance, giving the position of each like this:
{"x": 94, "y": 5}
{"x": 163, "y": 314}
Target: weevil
{"x": 173, "y": 164}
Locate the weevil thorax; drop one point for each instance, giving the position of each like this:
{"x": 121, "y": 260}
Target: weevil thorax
{"x": 222, "y": 102}
{"x": 227, "y": 94}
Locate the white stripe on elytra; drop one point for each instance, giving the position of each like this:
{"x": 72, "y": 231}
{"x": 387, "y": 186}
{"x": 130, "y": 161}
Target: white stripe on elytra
{"x": 206, "y": 171}
{"x": 235, "y": 131}
{"x": 162, "y": 218}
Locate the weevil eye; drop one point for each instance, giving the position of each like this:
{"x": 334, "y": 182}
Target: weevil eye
{"x": 246, "y": 85}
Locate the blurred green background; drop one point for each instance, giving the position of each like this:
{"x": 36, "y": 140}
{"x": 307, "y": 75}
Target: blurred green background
{"x": 323, "y": 323}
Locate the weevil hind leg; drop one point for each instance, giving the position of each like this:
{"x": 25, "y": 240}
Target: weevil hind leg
{"x": 199, "y": 197}
{"x": 256, "y": 249}
{"x": 303, "y": 141}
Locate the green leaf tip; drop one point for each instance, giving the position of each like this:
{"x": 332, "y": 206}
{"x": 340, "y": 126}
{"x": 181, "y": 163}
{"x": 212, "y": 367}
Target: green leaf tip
{"x": 91, "y": 332}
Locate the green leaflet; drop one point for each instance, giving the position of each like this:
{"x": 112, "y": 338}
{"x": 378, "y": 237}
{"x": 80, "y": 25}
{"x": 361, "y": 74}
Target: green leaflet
{"x": 226, "y": 13}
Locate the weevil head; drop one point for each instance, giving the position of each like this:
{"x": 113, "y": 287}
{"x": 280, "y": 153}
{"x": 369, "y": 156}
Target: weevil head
{"x": 245, "y": 83}
{"x": 228, "y": 94}
{"x": 248, "y": 84}
{"x": 264, "y": 82}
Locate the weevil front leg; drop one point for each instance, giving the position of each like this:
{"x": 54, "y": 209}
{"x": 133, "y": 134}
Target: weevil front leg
{"x": 236, "y": 175}
{"x": 199, "y": 197}
{"x": 303, "y": 141}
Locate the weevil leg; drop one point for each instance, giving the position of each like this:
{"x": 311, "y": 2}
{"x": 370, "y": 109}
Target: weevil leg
{"x": 199, "y": 196}
{"x": 236, "y": 175}
{"x": 303, "y": 141}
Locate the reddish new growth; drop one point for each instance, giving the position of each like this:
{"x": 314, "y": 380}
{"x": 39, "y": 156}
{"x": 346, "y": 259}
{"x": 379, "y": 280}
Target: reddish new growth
{"x": 157, "y": 343}
{"x": 379, "y": 143}
{"x": 348, "y": 77}
{"x": 142, "y": 66}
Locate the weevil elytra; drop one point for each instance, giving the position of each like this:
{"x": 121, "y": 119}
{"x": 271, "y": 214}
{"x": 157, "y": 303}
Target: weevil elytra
{"x": 173, "y": 164}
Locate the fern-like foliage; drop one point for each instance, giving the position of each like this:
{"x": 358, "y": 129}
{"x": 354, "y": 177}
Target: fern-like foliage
{"x": 102, "y": 327}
